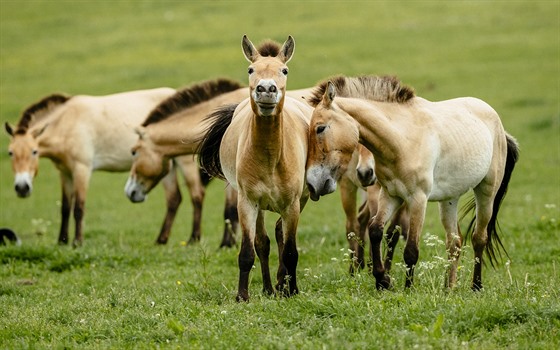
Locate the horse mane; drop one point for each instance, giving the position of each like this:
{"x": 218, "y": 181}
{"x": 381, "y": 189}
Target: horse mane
{"x": 209, "y": 146}
{"x": 38, "y": 109}
{"x": 189, "y": 97}
{"x": 369, "y": 87}
{"x": 269, "y": 48}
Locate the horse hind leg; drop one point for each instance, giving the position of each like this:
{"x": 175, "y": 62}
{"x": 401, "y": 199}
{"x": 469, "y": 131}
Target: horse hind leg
{"x": 453, "y": 241}
{"x": 480, "y": 235}
{"x": 231, "y": 218}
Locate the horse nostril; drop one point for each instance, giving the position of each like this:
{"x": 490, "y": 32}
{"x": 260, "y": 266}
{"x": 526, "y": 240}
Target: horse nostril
{"x": 272, "y": 88}
{"x": 260, "y": 88}
{"x": 22, "y": 188}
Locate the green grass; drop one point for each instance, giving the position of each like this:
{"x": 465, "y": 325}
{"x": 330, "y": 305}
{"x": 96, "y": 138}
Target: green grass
{"x": 121, "y": 291}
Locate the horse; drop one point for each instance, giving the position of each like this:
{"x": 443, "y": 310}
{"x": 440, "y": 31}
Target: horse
{"x": 173, "y": 129}
{"x": 424, "y": 151}
{"x": 260, "y": 147}
{"x": 82, "y": 134}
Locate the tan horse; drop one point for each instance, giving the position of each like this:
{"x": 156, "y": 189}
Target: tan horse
{"x": 424, "y": 151}
{"x": 174, "y": 128}
{"x": 260, "y": 148}
{"x": 82, "y": 134}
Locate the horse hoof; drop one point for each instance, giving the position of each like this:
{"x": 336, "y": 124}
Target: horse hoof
{"x": 242, "y": 298}
{"x": 383, "y": 283}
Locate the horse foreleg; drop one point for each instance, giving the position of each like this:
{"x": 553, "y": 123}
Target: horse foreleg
{"x": 231, "y": 218}
{"x": 173, "y": 199}
{"x": 247, "y": 218}
{"x": 191, "y": 173}
{"x": 386, "y": 207}
{"x": 81, "y": 182}
{"x": 66, "y": 207}
{"x": 453, "y": 240}
{"x": 348, "y": 194}
{"x": 398, "y": 226}
{"x": 287, "y": 283}
{"x": 417, "y": 211}
{"x": 262, "y": 246}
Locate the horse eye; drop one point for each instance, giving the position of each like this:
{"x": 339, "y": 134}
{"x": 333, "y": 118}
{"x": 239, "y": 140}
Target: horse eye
{"x": 320, "y": 129}
{"x": 250, "y": 70}
{"x": 133, "y": 152}
{"x": 285, "y": 71}
{"x": 34, "y": 152}
{"x": 10, "y": 153}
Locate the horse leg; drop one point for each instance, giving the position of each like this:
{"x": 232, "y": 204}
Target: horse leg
{"x": 454, "y": 239}
{"x": 417, "y": 211}
{"x": 279, "y": 235}
{"x": 191, "y": 173}
{"x": 348, "y": 193}
{"x": 262, "y": 246}
{"x": 398, "y": 225}
{"x": 247, "y": 219}
{"x": 386, "y": 207}
{"x": 231, "y": 218}
{"x": 287, "y": 283}
{"x": 67, "y": 198}
{"x": 81, "y": 182}
{"x": 173, "y": 199}
{"x": 484, "y": 207}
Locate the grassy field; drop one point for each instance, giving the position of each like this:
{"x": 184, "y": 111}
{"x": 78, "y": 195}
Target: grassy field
{"x": 121, "y": 291}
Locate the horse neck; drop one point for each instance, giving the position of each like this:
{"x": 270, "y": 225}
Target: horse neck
{"x": 267, "y": 137}
{"x": 376, "y": 131}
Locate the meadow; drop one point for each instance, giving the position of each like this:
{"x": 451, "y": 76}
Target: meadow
{"x": 120, "y": 290}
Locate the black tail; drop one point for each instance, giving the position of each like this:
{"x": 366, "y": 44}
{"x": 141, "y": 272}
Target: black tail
{"x": 494, "y": 251}
{"x": 209, "y": 148}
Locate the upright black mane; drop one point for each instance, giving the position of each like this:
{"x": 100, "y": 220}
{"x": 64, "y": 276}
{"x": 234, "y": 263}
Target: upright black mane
{"x": 371, "y": 87}
{"x": 191, "y": 96}
{"x": 269, "y": 48}
{"x": 45, "y": 105}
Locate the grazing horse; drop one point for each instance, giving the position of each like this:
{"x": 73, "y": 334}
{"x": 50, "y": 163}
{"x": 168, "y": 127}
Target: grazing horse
{"x": 424, "y": 151}
{"x": 81, "y": 134}
{"x": 174, "y": 128}
{"x": 260, "y": 148}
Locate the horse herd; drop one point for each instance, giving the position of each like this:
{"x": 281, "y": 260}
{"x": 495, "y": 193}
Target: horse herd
{"x": 275, "y": 148}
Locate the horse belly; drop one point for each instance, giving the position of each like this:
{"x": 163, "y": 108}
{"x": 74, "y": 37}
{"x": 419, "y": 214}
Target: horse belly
{"x": 462, "y": 165}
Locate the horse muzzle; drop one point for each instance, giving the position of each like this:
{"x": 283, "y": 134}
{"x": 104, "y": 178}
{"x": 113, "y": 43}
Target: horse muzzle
{"x": 134, "y": 191}
{"x": 319, "y": 184}
{"x": 23, "y": 184}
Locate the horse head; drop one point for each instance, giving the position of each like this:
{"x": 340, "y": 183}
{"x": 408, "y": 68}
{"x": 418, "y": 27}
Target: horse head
{"x": 365, "y": 170}
{"x": 268, "y": 74}
{"x": 24, "y": 153}
{"x": 148, "y": 168}
{"x": 333, "y": 138}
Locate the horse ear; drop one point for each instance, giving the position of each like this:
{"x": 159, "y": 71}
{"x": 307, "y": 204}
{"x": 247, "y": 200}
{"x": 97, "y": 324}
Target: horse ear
{"x": 330, "y": 94}
{"x": 9, "y": 129}
{"x": 140, "y": 131}
{"x": 287, "y": 50}
{"x": 248, "y": 49}
{"x": 38, "y": 132}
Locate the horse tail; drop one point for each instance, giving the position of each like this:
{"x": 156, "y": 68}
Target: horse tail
{"x": 209, "y": 147}
{"x": 494, "y": 246}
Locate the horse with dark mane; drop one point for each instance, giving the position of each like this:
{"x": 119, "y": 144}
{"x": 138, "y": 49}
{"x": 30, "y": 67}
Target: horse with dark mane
{"x": 423, "y": 151}
{"x": 82, "y": 134}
